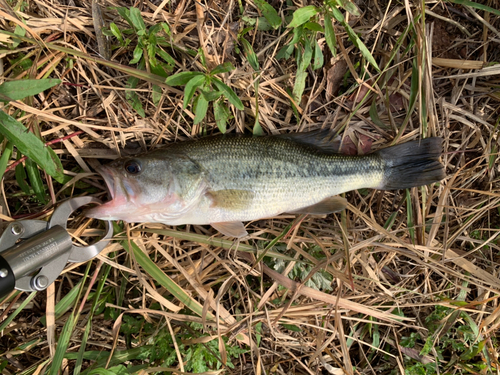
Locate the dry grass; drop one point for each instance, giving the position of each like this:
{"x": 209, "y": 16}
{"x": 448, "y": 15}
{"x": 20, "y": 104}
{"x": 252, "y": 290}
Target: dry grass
{"x": 422, "y": 264}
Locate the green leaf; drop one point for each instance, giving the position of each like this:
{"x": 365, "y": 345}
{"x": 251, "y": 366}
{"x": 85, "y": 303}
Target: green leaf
{"x": 133, "y": 98}
{"x": 374, "y": 115}
{"x": 28, "y": 144}
{"x": 331, "y": 41}
{"x": 229, "y": 94}
{"x": 166, "y": 57}
{"x": 318, "y": 56}
{"x": 36, "y": 180}
{"x": 136, "y": 18}
{"x": 337, "y": 14}
{"x": 303, "y": 61}
{"x": 211, "y": 95}
{"x": 137, "y": 55}
{"x": 350, "y": 7}
{"x": 361, "y": 46}
{"x": 156, "y": 94}
{"x": 222, "y": 68}
{"x": 125, "y": 14}
{"x": 302, "y": 15}
{"x": 269, "y": 13}
{"x": 21, "y": 179}
{"x": 20, "y": 89}
{"x": 181, "y": 79}
{"x": 117, "y": 33}
{"x": 250, "y": 54}
{"x": 285, "y": 52}
{"x": 191, "y": 87}
{"x": 200, "y": 108}
{"x": 222, "y": 115}
{"x": 314, "y": 26}
{"x": 62, "y": 345}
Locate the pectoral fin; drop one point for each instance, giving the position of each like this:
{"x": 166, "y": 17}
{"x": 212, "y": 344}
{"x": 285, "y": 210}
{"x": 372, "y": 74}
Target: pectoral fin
{"x": 231, "y": 229}
{"x": 326, "y": 206}
{"x": 231, "y": 199}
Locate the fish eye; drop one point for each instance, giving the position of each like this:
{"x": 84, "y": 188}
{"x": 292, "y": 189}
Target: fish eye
{"x": 132, "y": 167}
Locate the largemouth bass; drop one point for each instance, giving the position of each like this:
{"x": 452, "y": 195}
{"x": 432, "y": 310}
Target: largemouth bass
{"x": 225, "y": 180}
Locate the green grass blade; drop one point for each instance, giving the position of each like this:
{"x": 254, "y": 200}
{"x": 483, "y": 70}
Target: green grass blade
{"x": 65, "y": 303}
{"x": 4, "y": 159}
{"x": 31, "y": 146}
{"x": 476, "y": 5}
{"x": 21, "y": 307}
{"x": 17, "y": 90}
{"x": 159, "y": 276}
{"x": 62, "y": 345}
{"x": 36, "y": 180}
{"x": 250, "y": 54}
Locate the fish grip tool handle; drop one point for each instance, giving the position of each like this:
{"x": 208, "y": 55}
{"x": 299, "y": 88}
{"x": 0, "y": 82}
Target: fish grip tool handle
{"x": 34, "y": 245}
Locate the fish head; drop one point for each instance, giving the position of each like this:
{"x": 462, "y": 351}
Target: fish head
{"x": 138, "y": 186}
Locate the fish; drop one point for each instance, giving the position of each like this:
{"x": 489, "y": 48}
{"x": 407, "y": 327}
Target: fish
{"x": 226, "y": 180}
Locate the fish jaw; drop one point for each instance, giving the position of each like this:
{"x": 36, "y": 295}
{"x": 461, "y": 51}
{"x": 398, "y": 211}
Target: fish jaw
{"x": 122, "y": 204}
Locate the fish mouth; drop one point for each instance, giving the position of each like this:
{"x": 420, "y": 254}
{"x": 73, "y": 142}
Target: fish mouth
{"x": 108, "y": 177}
{"x": 107, "y": 210}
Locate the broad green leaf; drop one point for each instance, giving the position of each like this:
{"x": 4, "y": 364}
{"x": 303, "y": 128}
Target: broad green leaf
{"x": 156, "y": 94}
{"x": 250, "y": 54}
{"x": 182, "y": 78}
{"x": 222, "y": 115}
{"x": 337, "y": 14}
{"x": 361, "y": 46}
{"x": 303, "y": 61}
{"x": 229, "y": 94}
{"x": 269, "y": 13}
{"x": 318, "y": 60}
{"x": 331, "y": 41}
{"x": 222, "y": 68}
{"x": 166, "y": 28}
{"x": 261, "y": 22}
{"x": 125, "y": 14}
{"x": 350, "y": 7}
{"x": 302, "y": 15}
{"x": 314, "y": 26}
{"x": 4, "y": 159}
{"x": 191, "y": 87}
{"x": 166, "y": 57}
{"x": 36, "y": 180}
{"x": 211, "y": 95}
{"x": 116, "y": 32}
{"x": 133, "y": 98}
{"x": 31, "y": 146}
{"x": 200, "y": 109}
{"x": 137, "y": 55}
{"x": 20, "y": 89}
{"x": 136, "y": 18}
{"x": 285, "y": 52}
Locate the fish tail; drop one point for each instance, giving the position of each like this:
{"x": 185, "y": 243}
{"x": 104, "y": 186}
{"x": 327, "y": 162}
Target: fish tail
{"x": 412, "y": 164}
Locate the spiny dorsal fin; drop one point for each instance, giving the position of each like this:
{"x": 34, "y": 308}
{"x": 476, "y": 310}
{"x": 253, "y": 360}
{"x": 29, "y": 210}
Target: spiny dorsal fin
{"x": 322, "y": 139}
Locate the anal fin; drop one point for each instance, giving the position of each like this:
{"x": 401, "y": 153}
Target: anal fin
{"x": 231, "y": 229}
{"x": 326, "y": 206}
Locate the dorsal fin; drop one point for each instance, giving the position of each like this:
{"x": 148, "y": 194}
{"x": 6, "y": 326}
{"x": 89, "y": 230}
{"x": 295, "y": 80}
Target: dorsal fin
{"x": 323, "y": 139}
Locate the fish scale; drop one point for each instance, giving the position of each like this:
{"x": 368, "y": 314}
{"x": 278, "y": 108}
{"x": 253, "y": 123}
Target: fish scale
{"x": 225, "y": 180}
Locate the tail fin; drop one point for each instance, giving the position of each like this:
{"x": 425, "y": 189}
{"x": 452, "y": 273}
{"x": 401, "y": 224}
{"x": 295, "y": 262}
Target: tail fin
{"x": 412, "y": 164}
